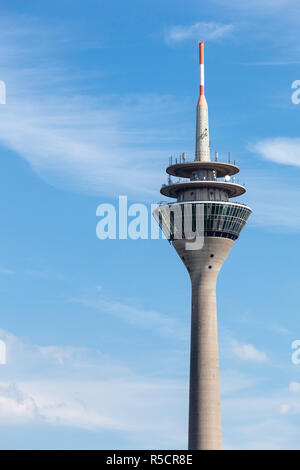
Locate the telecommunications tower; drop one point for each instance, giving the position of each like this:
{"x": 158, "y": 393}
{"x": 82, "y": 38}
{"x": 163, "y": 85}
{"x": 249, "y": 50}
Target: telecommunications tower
{"x": 202, "y": 225}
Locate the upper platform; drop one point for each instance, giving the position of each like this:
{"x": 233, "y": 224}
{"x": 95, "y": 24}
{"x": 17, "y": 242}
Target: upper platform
{"x": 232, "y": 189}
{"x": 186, "y": 169}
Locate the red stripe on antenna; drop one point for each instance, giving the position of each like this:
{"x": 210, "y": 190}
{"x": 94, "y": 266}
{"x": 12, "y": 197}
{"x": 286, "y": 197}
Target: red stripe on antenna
{"x": 201, "y": 52}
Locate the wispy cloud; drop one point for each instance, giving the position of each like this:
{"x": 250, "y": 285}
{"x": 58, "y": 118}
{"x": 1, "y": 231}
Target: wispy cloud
{"x": 156, "y": 321}
{"x": 271, "y": 25}
{"x": 274, "y": 63}
{"x": 16, "y": 407}
{"x": 99, "y": 143}
{"x": 32, "y": 272}
{"x": 62, "y": 386}
{"x": 283, "y": 150}
{"x": 81, "y": 145}
{"x": 208, "y": 31}
{"x": 248, "y": 352}
{"x": 259, "y": 6}
{"x": 280, "y": 329}
{"x": 7, "y": 271}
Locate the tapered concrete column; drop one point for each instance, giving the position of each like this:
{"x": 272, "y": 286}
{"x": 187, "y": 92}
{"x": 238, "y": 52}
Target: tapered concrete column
{"x": 204, "y": 408}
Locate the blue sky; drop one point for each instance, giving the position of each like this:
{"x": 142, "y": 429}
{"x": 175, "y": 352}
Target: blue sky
{"x": 99, "y": 94}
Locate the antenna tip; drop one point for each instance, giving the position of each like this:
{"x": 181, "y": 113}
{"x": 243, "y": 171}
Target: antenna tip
{"x": 201, "y": 52}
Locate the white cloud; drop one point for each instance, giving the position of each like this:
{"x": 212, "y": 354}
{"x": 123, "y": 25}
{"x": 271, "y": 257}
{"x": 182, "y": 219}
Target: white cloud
{"x": 283, "y": 150}
{"x": 206, "y": 31}
{"x": 132, "y": 405}
{"x": 248, "y": 352}
{"x": 78, "y": 387}
{"x": 284, "y": 408}
{"x": 88, "y": 391}
{"x": 58, "y": 354}
{"x": 294, "y": 387}
{"x": 16, "y": 407}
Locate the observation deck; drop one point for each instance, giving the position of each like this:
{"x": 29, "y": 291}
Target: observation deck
{"x": 203, "y": 191}
{"x": 215, "y": 219}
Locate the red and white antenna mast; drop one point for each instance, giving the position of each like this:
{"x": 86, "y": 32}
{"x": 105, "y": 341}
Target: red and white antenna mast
{"x": 202, "y": 152}
{"x": 201, "y": 65}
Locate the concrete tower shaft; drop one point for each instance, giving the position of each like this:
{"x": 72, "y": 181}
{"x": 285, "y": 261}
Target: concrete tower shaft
{"x": 203, "y": 265}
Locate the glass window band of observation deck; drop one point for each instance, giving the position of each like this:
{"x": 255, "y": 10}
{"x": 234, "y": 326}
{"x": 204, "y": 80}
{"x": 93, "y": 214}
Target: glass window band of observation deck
{"x": 220, "y": 220}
